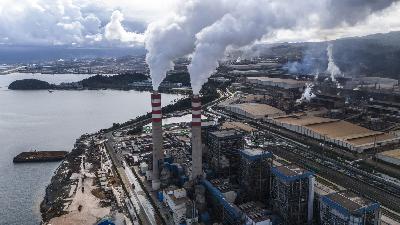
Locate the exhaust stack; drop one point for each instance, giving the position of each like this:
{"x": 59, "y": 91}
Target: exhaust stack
{"x": 158, "y": 153}
{"x": 197, "y": 170}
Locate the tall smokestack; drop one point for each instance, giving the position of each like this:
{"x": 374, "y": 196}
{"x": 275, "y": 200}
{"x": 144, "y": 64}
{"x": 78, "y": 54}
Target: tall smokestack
{"x": 158, "y": 153}
{"x": 196, "y": 138}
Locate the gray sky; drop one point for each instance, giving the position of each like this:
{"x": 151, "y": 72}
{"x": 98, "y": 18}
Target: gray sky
{"x": 122, "y": 22}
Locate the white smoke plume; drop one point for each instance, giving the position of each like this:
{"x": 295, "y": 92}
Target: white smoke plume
{"x": 249, "y": 21}
{"x": 307, "y": 94}
{"x": 332, "y": 69}
{"x": 175, "y": 36}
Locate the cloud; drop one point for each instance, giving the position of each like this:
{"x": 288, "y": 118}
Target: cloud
{"x": 252, "y": 21}
{"x": 115, "y": 31}
{"x": 66, "y": 22}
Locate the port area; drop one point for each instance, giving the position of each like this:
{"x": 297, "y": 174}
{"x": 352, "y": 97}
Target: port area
{"x": 40, "y": 156}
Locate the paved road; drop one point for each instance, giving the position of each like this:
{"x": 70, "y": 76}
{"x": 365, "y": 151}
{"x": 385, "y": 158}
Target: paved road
{"x": 118, "y": 162}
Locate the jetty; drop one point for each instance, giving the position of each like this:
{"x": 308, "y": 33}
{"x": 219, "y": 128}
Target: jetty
{"x": 40, "y": 156}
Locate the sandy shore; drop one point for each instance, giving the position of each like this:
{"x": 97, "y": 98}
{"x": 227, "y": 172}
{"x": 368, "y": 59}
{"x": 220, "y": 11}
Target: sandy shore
{"x": 90, "y": 212}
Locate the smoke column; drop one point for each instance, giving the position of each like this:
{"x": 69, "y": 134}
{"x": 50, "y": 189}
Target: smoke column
{"x": 332, "y": 69}
{"x": 251, "y": 20}
{"x": 307, "y": 94}
{"x": 175, "y": 36}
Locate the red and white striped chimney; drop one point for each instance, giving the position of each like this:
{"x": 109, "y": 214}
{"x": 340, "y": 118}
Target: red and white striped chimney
{"x": 197, "y": 170}
{"x": 158, "y": 154}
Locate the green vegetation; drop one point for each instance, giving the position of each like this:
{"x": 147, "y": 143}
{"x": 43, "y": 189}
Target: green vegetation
{"x": 30, "y": 84}
{"x": 182, "y": 77}
{"x": 120, "y": 81}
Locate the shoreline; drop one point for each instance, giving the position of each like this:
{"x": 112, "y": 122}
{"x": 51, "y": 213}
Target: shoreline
{"x": 58, "y": 191}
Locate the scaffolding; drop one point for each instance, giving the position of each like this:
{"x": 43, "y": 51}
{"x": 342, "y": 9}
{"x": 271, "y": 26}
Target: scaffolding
{"x": 254, "y": 175}
{"x": 347, "y": 208}
{"x": 221, "y": 209}
{"x": 225, "y": 144}
{"x": 293, "y": 194}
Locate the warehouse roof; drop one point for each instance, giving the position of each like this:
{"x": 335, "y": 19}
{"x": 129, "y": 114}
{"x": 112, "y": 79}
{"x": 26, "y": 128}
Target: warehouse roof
{"x": 351, "y": 201}
{"x": 226, "y": 133}
{"x": 338, "y": 129}
{"x": 392, "y": 153}
{"x": 291, "y": 172}
{"x": 238, "y": 125}
{"x": 302, "y": 120}
{"x": 277, "y": 80}
{"x": 371, "y": 139}
{"x": 258, "y": 109}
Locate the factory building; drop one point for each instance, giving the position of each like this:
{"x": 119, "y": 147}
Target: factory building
{"x": 254, "y": 174}
{"x": 293, "y": 194}
{"x": 348, "y": 208}
{"x": 338, "y": 132}
{"x": 181, "y": 208}
{"x": 391, "y": 157}
{"x": 219, "y": 198}
{"x": 224, "y": 146}
{"x": 276, "y": 82}
{"x": 255, "y": 110}
{"x": 253, "y": 214}
{"x": 328, "y": 101}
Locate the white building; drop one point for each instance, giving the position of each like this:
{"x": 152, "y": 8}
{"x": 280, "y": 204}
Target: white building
{"x": 179, "y": 205}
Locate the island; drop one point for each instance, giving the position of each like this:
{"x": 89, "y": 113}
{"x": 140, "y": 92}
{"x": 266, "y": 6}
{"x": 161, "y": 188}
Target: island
{"x": 30, "y": 84}
{"x": 122, "y": 81}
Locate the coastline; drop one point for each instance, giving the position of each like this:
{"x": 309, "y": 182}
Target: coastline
{"x": 60, "y": 195}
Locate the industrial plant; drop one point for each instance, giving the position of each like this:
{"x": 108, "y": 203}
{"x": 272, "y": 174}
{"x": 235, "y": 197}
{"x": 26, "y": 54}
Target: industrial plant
{"x": 271, "y": 149}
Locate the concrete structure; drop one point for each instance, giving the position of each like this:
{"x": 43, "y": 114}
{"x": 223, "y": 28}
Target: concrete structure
{"x": 179, "y": 206}
{"x": 348, "y": 208}
{"x": 255, "y": 110}
{"x": 254, "y": 214}
{"x": 224, "y": 146}
{"x": 276, "y": 82}
{"x": 392, "y": 157}
{"x": 293, "y": 194}
{"x": 255, "y": 175}
{"x": 197, "y": 170}
{"x": 341, "y": 133}
{"x": 157, "y": 138}
{"x": 220, "y": 207}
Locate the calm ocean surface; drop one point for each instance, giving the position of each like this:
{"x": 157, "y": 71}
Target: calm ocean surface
{"x": 51, "y": 121}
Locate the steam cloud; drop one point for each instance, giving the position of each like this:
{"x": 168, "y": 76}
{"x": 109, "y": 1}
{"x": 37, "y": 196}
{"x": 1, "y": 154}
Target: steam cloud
{"x": 249, "y": 21}
{"x": 175, "y": 36}
{"x": 307, "y": 94}
{"x": 332, "y": 69}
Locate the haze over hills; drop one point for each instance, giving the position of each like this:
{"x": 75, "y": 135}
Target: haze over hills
{"x": 372, "y": 55}
{"x": 32, "y": 54}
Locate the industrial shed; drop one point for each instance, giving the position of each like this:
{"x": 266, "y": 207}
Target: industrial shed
{"x": 392, "y": 157}
{"x": 342, "y": 133}
{"x": 277, "y": 82}
{"x": 255, "y": 110}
